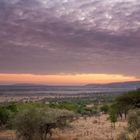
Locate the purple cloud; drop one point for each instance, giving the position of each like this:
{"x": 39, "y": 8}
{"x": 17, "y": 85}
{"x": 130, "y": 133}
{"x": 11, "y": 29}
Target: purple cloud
{"x": 70, "y": 36}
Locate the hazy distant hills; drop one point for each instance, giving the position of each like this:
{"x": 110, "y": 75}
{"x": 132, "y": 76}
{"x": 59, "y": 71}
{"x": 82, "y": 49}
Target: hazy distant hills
{"x": 129, "y": 85}
{"x": 37, "y": 89}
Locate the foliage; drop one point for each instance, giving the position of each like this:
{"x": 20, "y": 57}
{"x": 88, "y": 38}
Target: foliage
{"x": 4, "y": 116}
{"x": 65, "y": 105}
{"x": 11, "y": 107}
{"x": 7, "y": 111}
{"x": 104, "y": 108}
{"x": 130, "y": 99}
{"x": 36, "y": 124}
{"x": 113, "y": 115}
{"x": 125, "y": 102}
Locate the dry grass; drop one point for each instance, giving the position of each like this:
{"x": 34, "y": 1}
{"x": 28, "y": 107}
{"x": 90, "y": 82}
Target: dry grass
{"x": 91, "y": 128}
{"x": 7, "y": 135}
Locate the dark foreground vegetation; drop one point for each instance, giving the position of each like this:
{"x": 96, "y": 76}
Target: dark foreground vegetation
{"x": 36, "y": 120}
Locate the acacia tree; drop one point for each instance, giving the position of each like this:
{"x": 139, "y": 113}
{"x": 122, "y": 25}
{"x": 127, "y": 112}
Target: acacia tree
{"x": 36, "y": 124}
{"x": 125, "y": 102}
{"x": 128, "y": 101}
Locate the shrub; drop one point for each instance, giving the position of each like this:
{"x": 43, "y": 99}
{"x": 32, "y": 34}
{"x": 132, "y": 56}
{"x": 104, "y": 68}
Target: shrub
{"x": 36, "y": 124}
{"x": 133, "y": 130}
{"x": 134, "y": 120}
{"x": 104, "y": 108}
{"x": 4, "y": 116}
{"x": 113, "y": 116}
{"x": 11, "y": 107}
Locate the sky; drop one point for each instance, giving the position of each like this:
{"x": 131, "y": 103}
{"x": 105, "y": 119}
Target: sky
{"x": 69, "y": 41}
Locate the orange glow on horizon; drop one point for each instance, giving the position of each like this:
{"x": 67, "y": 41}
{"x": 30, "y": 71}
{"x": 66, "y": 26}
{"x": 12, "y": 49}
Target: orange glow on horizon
{"x": 77, "y": 79}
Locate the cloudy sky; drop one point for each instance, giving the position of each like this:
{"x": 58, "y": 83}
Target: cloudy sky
{"x": 69, "y": 37}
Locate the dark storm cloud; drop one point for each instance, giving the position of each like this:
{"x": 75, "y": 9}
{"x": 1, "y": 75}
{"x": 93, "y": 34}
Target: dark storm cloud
{"x": 70, "y": 36}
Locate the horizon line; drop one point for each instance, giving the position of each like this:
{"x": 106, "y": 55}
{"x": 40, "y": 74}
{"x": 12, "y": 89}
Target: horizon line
{"x": 38, "y": 84}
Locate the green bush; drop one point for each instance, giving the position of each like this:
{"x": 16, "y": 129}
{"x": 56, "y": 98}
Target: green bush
{"x": 113, "y": 116}
{"x": 7, "y": 113}
{"x": 11, "y": 107}
{"x": 36, "y": 124}
{"x": 4, "y": 116}
{"x": 104, "y": 108}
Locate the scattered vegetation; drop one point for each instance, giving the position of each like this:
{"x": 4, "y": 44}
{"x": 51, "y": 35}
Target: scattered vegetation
{"x": 36, "y": 124}
{"x": 36, "y": 120}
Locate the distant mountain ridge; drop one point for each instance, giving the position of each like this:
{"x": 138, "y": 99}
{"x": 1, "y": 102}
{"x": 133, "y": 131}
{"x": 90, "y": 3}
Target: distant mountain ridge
{"x": 27, "y": 84}
{"x": 130, "y": 84}
{"x": 38, "y": 89}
